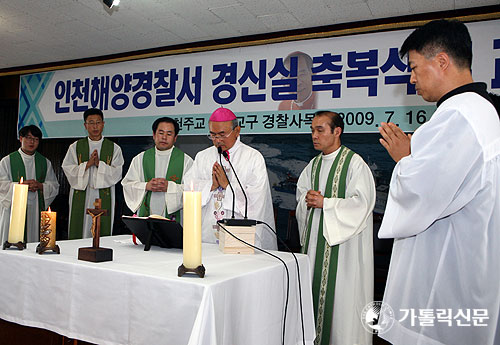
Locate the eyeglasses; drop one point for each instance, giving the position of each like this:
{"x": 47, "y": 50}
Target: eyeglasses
{"x": 33, "y": 139}
{"x": 92, "y": 123}
{"x": 219, "y": 136}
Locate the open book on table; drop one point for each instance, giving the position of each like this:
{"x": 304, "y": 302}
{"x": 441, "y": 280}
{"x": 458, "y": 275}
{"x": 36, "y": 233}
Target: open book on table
{"x": 155, "y": 230}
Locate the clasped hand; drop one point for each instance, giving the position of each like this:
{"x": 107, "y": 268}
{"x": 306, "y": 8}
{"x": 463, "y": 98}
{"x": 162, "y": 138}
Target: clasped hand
{"x": 218, "y": 177}
{"x": 93, "y": 160}
{"x": 157, "y": 184}
{"x": 314, "y": 199}
{"x": 395, "y": 141}
{"x": 33, "y": 185}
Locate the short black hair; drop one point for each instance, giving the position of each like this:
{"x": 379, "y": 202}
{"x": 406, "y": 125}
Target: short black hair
{"x": 168, "y": 120}
{"x": 34, "y": 130}
{"x": 450, "y": 36}
{"x": 335, "y": 119}
{"x": 92, "y": 111}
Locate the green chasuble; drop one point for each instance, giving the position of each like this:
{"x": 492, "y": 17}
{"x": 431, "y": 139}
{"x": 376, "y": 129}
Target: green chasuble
{"x": 18, "y": 170}
{"x": 174, "y": 173}
{"x": 325, "y": 265}
{"x": 78, "y": 204}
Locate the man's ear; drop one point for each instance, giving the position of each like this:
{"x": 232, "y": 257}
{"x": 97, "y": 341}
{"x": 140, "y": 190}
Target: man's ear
{"x": 443, "y": 60}
{"x": 337, "y": 131}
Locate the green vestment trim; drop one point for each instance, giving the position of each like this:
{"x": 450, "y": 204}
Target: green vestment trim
{"x": 18, "y": 170}
{"x": 174, "y": 173}
{"x": 326, "y": 261}
{"x": 78, "y": 203}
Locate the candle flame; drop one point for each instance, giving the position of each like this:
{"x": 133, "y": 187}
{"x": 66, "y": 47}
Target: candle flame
{"x": 21, "y": 180}
{"x": 49, "y": 209}
{"x": 192, "y": 186}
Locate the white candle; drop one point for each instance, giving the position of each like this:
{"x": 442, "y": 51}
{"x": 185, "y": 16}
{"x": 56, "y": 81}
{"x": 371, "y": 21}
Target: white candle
{"x": 48, "y": 224}
{"x": 192, "y": 230}
{"x": 18, "y": 212}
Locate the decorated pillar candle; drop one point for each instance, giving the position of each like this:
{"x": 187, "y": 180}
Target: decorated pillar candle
{"x": 18, "y": 212}
{"x": 192, "y": 230}
{"x": 48, "y": 228}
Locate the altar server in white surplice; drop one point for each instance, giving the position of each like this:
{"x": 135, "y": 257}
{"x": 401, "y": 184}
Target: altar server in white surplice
{"x": 155, "y": 180}
{"x": 37, "y": 173}
{"x": 335, "y": 200}
{"x": 443, "y": 209}
{"x": 93, "y": 165}
{"x": 208, "y": 177}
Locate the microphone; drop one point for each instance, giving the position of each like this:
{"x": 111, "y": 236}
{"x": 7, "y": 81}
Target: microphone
{"x": 219, "y": 150}
{"x": 237, "y": 222}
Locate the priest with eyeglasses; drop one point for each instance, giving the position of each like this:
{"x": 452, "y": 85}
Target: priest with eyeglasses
{"x": 93, "y": 166}
{"x": 37, "y": 173}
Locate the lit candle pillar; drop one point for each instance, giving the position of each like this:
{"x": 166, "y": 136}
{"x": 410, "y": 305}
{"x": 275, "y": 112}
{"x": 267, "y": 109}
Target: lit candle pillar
{"x": 18, "y": 212}
{"x": 48, "y": 228}
{"x": 192, "y": 230}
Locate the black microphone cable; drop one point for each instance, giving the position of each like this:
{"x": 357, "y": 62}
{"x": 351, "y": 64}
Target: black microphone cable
{"x": 298, "y": 278}
{"x": 224, "y": 153}
{"x": 275, "y": 256}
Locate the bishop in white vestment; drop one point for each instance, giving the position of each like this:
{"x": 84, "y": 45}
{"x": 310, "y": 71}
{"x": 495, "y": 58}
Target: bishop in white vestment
{"x": 34, "y": 165}
{"x": 208, "y": 177}
{"x": 92, "y": 165}
{"x": 443, "y": 209}
{"x": 335, "y": 200}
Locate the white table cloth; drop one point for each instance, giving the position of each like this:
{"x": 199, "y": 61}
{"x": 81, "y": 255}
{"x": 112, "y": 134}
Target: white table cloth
{"x": 138, "y": 299}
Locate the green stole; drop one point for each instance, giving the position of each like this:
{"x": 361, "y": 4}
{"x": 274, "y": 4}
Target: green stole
{"x": 18, "y": 170}
{"x": 174, "y": 173}
{"x": 78, "y": 203}
{"x": 325, "y": 265}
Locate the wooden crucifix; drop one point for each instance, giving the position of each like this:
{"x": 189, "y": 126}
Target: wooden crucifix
{"x": 95, "y": 253}
{"x": 96, "y": 214}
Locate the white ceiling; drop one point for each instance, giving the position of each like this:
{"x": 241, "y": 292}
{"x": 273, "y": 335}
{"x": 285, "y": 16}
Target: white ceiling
{"x": 42, "y": 31}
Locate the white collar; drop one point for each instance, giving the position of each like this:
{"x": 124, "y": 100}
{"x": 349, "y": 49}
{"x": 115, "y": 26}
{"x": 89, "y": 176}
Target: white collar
{"x": 234, "y": 148}
{"x": 95, "y": 141}
{"x": 25, "y": 155}
{"x": 331, "y": 155}
{"x": 163, "y": 153}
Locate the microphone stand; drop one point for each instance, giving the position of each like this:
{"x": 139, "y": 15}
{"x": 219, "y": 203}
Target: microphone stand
{"x": 233, "y": 221}
{"x": 224, "y": 153}
{"x": 219, "y": 150}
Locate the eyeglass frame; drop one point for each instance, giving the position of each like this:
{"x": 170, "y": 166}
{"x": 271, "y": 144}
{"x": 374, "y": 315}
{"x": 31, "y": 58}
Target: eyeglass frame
{"x": 219, "y": 137}
{"x": 92, "y": 123}
{"x": 32, "y": 139}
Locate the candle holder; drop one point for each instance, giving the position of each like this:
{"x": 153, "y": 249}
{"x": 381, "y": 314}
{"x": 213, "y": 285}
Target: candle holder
{"x": 40, "y": 249}
{"x": 200, "y": 270}
{"x": 18, "y": 245}
{"x": 48, "y": 233}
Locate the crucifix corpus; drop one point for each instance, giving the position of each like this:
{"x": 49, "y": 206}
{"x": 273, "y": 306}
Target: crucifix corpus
{"x": 96, "y": 214}
{"x": 95, "y": 253}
